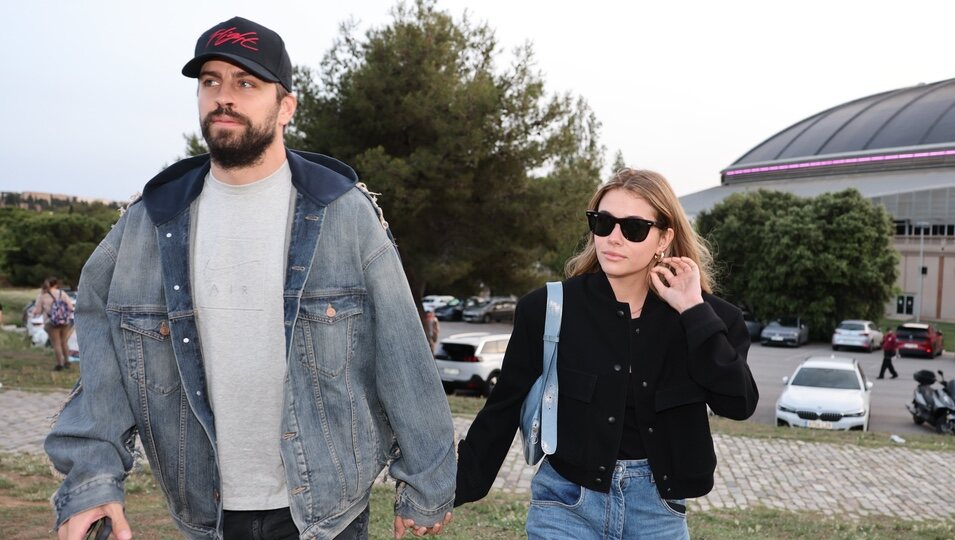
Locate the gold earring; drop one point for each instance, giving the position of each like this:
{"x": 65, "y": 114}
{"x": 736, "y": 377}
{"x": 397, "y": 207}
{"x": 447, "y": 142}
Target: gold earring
{"x": 658, "y": 256}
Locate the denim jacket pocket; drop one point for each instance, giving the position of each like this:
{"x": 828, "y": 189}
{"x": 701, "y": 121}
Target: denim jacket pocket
{"x": 149, "y": 353}
{"x": 330, "y": 322}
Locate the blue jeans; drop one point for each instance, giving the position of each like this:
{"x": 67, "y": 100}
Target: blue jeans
{"x": 632, "y": 509}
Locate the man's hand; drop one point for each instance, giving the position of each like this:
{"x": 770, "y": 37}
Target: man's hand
{"x": 75, "y": 528}
{"x": 408, "y": 524}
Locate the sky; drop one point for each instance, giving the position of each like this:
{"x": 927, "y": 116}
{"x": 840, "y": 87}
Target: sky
{"x": 92, "y": 101}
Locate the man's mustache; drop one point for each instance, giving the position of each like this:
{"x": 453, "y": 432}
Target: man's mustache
{"x": 219, "y": 111}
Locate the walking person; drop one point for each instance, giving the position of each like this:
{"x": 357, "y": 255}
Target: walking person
{"x": 57, "y": 310}
{"x": 432, "y": 329}
{"x": 890, "y": 348}
{"x": 249, "y": 320}
{"x": 643, "y": 348}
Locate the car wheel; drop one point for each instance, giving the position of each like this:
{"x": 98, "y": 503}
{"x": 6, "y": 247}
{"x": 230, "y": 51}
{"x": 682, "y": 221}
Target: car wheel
{"x": 448, "y": 388}
{"x": 489, "y": 384}
{"x": 868, "y": 348}
{"x": 487, "y": 318}
{"x": 917, "y": 419}
{"x": 835, "y": 347}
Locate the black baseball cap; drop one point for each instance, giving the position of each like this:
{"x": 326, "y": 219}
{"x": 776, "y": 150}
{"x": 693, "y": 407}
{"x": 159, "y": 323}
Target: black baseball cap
{"x": 247, "y": 44}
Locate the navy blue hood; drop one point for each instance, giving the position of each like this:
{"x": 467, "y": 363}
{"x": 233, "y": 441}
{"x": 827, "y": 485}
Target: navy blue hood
{"x": 318, "y": 177}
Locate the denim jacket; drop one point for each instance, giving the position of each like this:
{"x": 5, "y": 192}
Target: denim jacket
{"x": 361, "y": 389}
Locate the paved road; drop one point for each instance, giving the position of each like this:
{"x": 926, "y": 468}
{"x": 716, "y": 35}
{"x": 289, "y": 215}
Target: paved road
{"x": 842, "y": 480}
{"x": 770, "y": 364}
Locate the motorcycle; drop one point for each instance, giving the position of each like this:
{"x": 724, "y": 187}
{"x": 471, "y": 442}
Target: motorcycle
{"x": 934, "y": 405}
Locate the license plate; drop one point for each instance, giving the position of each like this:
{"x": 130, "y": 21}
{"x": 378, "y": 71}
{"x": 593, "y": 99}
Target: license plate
{"x": 777, "y": 338}
{"x": 910, "y": 346}
{"x": 451, "y": 371}
{"x": 819, "y": 424}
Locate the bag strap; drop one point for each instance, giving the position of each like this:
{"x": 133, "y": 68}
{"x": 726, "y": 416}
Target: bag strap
{"x": 555, "y": 304}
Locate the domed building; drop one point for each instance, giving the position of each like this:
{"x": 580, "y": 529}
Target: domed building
{"x": 896, "y": 148}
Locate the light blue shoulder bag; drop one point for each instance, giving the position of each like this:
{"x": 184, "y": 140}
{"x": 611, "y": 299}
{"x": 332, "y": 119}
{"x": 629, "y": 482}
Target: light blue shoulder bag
{"x": 539, "y": 411}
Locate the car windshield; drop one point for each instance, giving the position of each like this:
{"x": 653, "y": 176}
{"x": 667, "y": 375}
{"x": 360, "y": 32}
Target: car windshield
{"x": 481, "y": 304}
{"x": 851, "y": 326}
{"x": 826, "y": 378}
{"x": 786, "y": 321}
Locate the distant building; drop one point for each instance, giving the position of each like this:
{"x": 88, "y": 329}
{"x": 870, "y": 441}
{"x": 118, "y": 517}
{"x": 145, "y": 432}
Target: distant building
{"x": 896, "y": 148}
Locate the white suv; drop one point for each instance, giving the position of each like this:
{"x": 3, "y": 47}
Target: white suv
{"x": 471, "y": 360}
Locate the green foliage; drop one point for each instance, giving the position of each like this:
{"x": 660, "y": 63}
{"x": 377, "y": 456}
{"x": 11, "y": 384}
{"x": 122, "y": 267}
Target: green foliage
{"x": 195, "y": 145}
{"x": 618, "y": 162}
{"x": 824, "y": 259}
{"x": 482, "y": 175}
{"x": 51, "y": 244}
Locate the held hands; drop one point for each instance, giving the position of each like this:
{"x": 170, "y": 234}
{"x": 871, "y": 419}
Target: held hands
{"x": 75, "y": 528}
{"x": 403, "y": 524}
{"x": 677, "y": 281}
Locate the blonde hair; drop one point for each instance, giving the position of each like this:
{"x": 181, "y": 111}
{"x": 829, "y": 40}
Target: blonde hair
{"x": 653, "y": 188}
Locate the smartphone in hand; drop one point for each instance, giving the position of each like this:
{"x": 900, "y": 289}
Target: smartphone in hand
{"x": 100, "y": 529}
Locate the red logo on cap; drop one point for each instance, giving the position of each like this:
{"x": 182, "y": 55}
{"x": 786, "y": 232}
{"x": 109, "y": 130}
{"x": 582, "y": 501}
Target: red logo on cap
{"x": 229, "y": 35}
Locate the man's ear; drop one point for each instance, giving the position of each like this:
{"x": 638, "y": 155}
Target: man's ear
{"x": 287, "y": 109}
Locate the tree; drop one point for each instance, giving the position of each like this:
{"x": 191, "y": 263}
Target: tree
{"x": 481, "y": 175}
{"x": 618, "y": 162}
{"x": 825, "y": 259}
{"x": 51, "y": 244}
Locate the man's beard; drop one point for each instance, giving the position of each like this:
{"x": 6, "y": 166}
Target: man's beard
{"x": 232, "y": 151}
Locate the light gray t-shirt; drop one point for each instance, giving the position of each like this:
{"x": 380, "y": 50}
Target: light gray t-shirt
{"x": 238, "y": 279}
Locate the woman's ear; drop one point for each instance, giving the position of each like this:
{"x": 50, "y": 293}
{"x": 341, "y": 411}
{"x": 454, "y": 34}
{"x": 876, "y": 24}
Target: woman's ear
{"x": 665, "y": 239}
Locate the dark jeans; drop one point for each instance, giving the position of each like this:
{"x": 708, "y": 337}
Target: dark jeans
{"x": 887, "y": 365}
{"x": 278, "y": 525}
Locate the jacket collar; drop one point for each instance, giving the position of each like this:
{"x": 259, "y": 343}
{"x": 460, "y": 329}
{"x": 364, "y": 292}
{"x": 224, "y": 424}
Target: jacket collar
{"x": 320, "y": 178}
{"x": 598, "y": 286}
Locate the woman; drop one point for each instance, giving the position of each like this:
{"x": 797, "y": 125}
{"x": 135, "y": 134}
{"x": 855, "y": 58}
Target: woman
{"x": 59, "y": 333}
{"x": 644, "y": 347}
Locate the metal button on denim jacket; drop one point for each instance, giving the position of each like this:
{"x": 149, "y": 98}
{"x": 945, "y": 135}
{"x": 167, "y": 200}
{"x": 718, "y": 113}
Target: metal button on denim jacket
{"x": 359, "y": 372}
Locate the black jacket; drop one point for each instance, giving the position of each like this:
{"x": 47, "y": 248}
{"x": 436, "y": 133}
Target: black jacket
{"x": 680, "y": 363}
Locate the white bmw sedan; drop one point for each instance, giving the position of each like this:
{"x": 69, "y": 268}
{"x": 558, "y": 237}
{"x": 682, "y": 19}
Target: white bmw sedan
{"x": 826, "y": 393}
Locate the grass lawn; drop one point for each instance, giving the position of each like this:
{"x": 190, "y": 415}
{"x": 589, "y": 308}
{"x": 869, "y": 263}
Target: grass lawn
{"x": 26, "y": 484}
{"x": 25, "y": 367}
{"x": 13, "y": 302}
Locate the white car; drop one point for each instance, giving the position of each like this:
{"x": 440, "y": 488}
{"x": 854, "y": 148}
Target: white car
{"x": 826, "y": 393}
{"x": 861, "y": 334}
{"x": 471, "y": 361}
{"x": 434, "y": 301}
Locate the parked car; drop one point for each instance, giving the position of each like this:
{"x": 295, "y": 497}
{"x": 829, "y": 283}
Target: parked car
{"x": 453, "y": 310}
{"x": 919, "y": 339}
{"x": 856, "y": 333}
{"x": 434, "y": 301}
{"x": 471, "y": 361}
{"x": 785, "y": 331}
{"x": 491, "y": 311}
{"x": 826, "y": 393}
{"x": 755, "y": 327}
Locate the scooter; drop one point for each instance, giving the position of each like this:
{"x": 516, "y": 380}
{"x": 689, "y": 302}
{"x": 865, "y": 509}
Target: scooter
{"x": 935, "y": 406}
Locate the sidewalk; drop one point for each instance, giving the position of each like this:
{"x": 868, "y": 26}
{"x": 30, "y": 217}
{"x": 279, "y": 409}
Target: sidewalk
{"x": 840, "y": 480}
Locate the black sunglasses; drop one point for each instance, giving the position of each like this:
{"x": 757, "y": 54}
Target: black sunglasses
{"x": 633, "y": 229}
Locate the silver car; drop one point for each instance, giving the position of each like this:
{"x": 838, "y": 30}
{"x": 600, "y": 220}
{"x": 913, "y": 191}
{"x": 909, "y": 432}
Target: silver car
{"x": 785, "y": 331}
{"x": 857, "y": 333}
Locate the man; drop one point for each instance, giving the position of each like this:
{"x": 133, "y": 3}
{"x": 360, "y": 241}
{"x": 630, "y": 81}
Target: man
{"x": 890, "y": 348}
{"x": 249, "y": 319}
